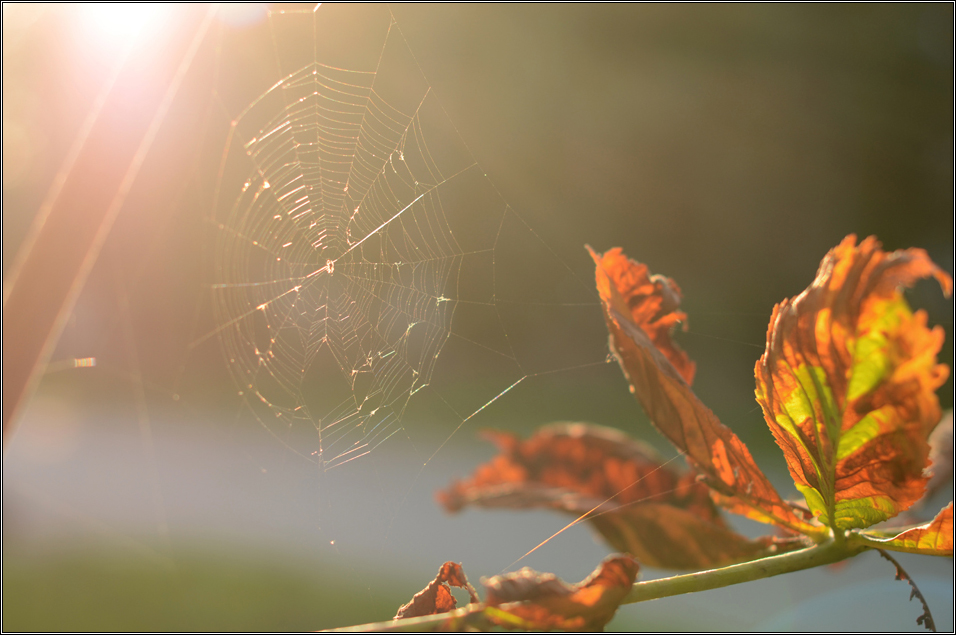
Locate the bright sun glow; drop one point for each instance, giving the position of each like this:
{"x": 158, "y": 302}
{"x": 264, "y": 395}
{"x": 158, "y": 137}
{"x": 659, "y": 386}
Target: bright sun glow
{"x": 111, "y": 27}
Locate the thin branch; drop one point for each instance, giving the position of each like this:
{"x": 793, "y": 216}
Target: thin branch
{"x": 473, "y": 616}
{"x": 815, "y": 556}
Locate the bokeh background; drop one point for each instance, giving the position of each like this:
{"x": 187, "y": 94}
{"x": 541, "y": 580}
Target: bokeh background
{"x": 729, "y": 147}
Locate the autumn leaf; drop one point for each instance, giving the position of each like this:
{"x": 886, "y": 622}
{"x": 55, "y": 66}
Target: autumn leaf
{"x": 527, "y": 599}
{"x": 652, "y": 303}
{"x": 724, "y": 461}
{"x": 436, "y": 597}
{"x": 541, "y": 601}
{"x": 847, "y": 384}
{"x": 639, "y": 504}
{"x": 934, "y": 538}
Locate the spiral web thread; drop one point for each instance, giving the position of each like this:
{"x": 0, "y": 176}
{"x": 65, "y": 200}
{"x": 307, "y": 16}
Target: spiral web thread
{"x": 360, "y": 235}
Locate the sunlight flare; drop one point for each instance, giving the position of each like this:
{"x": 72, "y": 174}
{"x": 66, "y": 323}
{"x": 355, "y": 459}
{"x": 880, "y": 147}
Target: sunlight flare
{"x": 111, "y": 28}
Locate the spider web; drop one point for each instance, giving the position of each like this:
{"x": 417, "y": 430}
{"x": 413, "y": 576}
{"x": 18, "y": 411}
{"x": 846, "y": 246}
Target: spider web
{"x": 366, "y": 272}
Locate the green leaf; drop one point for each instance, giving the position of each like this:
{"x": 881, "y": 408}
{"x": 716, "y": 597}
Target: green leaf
{"x": 847, "y": 384}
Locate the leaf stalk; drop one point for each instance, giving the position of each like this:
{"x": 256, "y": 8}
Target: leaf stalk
{"x": 823, "y": 553}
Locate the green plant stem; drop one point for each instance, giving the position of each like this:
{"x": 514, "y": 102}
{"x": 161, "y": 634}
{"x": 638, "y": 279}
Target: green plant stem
{"x": 824, "y": 553}
{"x": 820, "y": 554}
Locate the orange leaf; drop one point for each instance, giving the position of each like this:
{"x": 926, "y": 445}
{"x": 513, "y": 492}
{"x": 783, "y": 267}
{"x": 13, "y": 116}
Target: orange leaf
{"x": 542, "y": 601}
{"x": 637, "y": 503}
{"x": 847, "y": 384}
{"x": 676, "y": 411}
{"x": 436, "y": 597}
{"x": 652, "y": 303}
{"x": 935, "y": 538}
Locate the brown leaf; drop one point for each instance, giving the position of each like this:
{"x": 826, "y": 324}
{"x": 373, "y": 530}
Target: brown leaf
{"x": 652, "y": 303}
{"x": 667, "y": 537}
{"x": 926, "y": 617}
{"x": 847, "y": 384}
{"x": 675, "y": 410}
{"x": 542, "y": 601}
{"x": 436, "y": 597}
{"x": 637, "y": 503}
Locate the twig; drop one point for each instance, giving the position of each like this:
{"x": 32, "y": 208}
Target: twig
{"x": 473, "y": 616}
{"x": 926, "y": 619}
{"x": 815, "y": 556}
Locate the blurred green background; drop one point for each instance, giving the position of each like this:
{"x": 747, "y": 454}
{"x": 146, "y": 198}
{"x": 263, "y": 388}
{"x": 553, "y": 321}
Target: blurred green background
{"x": 728, "y": 147}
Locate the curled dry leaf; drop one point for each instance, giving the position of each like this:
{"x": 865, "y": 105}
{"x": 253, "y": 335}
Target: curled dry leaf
{"x": 436, "y": 597}
{"x": 639, "y": 504}
{"x": 847, "y": 384}
{"x": 653, "y": 303}
{"x": 712, "y": 448}
{"x": 542, "y": 601}
{"x": 926, "y": 617}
